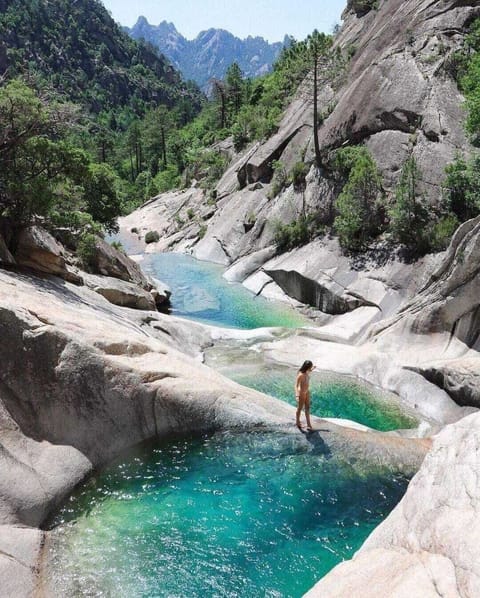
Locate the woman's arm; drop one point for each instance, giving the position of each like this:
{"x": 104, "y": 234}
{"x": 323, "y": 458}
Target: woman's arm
{"x": 300, "y": 385}
{"x": 297, "y": 386}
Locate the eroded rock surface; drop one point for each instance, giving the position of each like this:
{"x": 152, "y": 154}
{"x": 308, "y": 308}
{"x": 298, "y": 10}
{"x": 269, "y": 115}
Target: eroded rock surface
{"x": 109, "y": 261}
{"x": 450, "y": 299}
{"x": 5, "y": 256}
{"x": 38, "y": 250}
{"x": 109, "y": 379}
{"x": 447, "y": 312}
{"x": 120, "y": 292}
{"x": 429, "y": 544}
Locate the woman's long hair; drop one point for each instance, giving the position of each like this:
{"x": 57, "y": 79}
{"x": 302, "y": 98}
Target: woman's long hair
{"x": 305, "y": 366}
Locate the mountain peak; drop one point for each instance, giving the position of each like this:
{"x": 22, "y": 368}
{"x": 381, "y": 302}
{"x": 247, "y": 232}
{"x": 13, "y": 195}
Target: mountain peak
{"x": 167, "y": 27}
{"x": 141, "y": 21}
{"x": 211, "y": 52}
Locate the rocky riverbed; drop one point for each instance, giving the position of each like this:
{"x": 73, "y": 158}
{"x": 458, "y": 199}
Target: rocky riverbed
{"x": 85, "y": 377}
{"x": 82, "y": 380}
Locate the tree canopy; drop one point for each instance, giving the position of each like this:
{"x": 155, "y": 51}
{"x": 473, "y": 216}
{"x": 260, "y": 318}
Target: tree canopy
{"x": 41, "y": 172}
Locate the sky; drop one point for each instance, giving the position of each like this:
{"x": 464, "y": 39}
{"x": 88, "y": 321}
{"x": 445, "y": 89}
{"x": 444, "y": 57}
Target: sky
{"x": 271, "y": 19}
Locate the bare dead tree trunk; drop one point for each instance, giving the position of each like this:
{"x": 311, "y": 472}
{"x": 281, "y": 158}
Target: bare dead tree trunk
{"x": 315, "y": 111}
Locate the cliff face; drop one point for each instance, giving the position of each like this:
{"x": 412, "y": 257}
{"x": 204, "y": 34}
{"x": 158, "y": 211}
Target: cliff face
{"x": 397, "y": 96}
{"x": 400, "y": 96}
{"x": 447, "y": 308}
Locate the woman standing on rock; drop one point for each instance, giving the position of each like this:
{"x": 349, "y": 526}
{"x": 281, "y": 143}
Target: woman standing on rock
{"x": 302, "y": 392}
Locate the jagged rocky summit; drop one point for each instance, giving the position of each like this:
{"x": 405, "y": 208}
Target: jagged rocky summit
{"x": 211, "y": 53}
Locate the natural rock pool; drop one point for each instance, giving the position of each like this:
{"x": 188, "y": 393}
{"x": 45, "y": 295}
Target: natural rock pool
{"x": 200, "y": 292}
{"x": 237, "y": 515}
{"x": 229, "y": 514}
{"x": 333, "y": 396}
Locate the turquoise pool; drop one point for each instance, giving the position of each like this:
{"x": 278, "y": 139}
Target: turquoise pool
{"x": 200, "y": 292}
{"x": 237, "y": 515}
{"x": 332, "y": 396}
{"x": 227, "y": 515}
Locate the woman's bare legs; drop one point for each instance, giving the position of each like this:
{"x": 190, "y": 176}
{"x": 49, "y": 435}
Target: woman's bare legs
{"x": 300, "y": 405}
{"x": 307, "y": 414}
{"x": 303, "y": 403}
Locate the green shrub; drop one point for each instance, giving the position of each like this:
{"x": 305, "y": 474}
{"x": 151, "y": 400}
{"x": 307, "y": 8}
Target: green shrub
{"x": 469, "y": 80}
{"x": 298, "y": 175}
{"x": 296, "y": 233}
{"x": 212, "y": 197}
{"x": 351, "y": 51}
{"x": 152, "y": 237}
{"x": 279, "y": 179}
{"x": 461, "y": 187}
{"x": 190, "y": 213}
{"x": 103, "y": 201}
{"x": 86, "y": 250}
{"x": 409, "y": 215}
{"x": 78, "y": 222}
{"x": 442, "y": 232}
{"x": 206, "y": 166}
{"x": 358, "y": 206}
{"x": 202, "y": 231}
{"x": 118, "y": 246}
{"x": 167, "y": 179}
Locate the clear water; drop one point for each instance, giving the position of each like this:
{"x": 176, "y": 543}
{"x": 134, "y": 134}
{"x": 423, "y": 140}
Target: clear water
{"x": 200, "y": 292}
{"x": 332, "y": 396}
{"x": 229, "y": 515}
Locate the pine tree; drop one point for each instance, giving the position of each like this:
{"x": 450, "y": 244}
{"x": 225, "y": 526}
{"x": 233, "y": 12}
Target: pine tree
{"x": 358, "y": 213}
{"x": 409, "y": 217}
{"x": 234, "y": 86}
{"x": 318, "y": 45}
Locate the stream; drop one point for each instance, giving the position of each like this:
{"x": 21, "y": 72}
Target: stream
{"x": 227, "y": 514}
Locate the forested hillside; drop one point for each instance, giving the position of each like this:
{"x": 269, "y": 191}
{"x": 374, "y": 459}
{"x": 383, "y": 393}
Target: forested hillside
{"x": 77, "y": 48}
{"x": 76, "y": 97}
